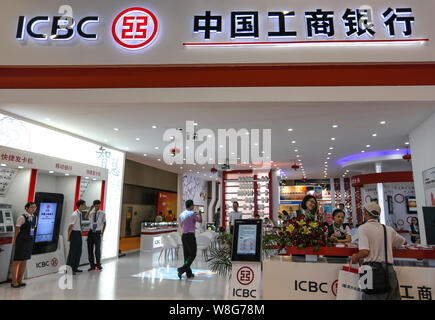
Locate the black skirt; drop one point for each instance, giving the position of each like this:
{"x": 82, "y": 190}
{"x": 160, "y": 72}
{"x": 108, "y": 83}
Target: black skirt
{"x": 23, "y": 248}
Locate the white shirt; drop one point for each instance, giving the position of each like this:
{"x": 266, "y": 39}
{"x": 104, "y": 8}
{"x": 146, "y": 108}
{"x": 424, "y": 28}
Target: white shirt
{"x": 21, "y": 220}
{"x": 75, "y": 221}
{"x": 234, "y": 216}
{"x": 100, "y": 220}
{"x": 371, "y": 237}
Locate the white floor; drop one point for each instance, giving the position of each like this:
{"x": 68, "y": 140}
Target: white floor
{"x": 135, "y": 276}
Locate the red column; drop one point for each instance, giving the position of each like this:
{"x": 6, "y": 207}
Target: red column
{"x": 103, "y": 190}
{"x": 76, "y": 198}
{"x": 32, "y": 186}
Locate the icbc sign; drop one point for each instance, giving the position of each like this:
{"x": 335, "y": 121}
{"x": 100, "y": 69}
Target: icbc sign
{"x": 245, "y": 276}
{"x": 135, "y": 28}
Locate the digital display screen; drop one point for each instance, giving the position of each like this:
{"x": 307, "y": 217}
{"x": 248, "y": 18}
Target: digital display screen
{"x": 247, "y": 239}
{"x": 412, "y": 204}
{"x": 46, "y": 219}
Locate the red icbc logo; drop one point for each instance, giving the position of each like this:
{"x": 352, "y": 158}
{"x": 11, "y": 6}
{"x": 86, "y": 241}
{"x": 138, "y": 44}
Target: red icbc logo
{"x": 245, "y": 276}
{"x": 135, "y": 28}
{"x": 54, "y": 262}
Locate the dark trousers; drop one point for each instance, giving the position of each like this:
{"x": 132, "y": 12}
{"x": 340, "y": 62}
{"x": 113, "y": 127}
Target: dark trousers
{"x": 189, "y": 251}
{"x": 75, "y": 250}
{"x": 393, "y": 294}
{"x": 94, "y": 240}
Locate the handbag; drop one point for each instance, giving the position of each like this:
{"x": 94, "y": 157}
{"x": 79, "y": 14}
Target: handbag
{"x": 380, "y": 282}
{"x": 348, "y": 284}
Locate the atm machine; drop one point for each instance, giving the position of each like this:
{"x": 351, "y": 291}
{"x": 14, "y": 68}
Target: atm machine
{"x": 7, "y": 230}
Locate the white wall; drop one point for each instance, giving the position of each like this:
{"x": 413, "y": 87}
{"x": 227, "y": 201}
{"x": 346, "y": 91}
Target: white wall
{"x": 422, "y": 141}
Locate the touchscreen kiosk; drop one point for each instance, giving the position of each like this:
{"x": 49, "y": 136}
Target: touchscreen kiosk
{"x": 49, "y": 214}
{"x": 247, "y": 240}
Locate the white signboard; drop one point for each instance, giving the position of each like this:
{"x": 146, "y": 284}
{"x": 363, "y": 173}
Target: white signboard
{"x": 245, "y": 281}
{"x": 318, "y": 281}
{"x": 429, "y": 186}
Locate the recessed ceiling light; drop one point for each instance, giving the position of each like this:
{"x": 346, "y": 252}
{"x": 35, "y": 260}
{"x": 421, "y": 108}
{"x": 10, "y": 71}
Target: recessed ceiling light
{"x": 368, "y": 146}
{"x": 159, "y": 159}
{"x": 326, "y": 161}
{"x": 328, "y": 158}
{"x": 3, "y": 165}
{"x": 157, "y": 148}
{"x": 329, "y": 153}
{"x": 154, "y": 127}
{"x": 297, "y": 156}
{"x": 181, "y": 167}
{"x": 290, "y": 129}
{"x": 332, "y": 139}
{"x": 195, "y": 123}
{"x": 209, "y": 136}
{"x": 362, "y": 151}
{"x": 406, "y": 143}
{"x": 296, "y": 150}
{"x": 190, "y": 170}
{"x": 197, "y": 172}
{"x": 86, "y": 178}
{"x": 137, "y": 139}
{"x": 144, "y": 154}
{"x": 221, "y": 146}
{"x": 335, "y": 126}
{"x": 20, "y": 167}
{"x": 50, "y": 171}
{"x": 293, "y": 141}
{"x": 203, "y": 167}
{"x": 331, "y": 148}
{"x": 247, "y": 133}
{"x": 374, "y": 135}
{"x": 67, "y": 174}
{"x": 116, "y": 129}
{"x": 383, "y": 122}
{"x": 397, "y": 149}
{"x": 255, "y": 144}
{"x": 94, "y": 179}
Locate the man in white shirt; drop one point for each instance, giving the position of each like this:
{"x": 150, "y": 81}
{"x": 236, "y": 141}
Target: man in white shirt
{"x": 234, "y": 215}
{"x": 97, "y": 221}
{"x": 75, "y": 237}
{"x": 372, "y": 250}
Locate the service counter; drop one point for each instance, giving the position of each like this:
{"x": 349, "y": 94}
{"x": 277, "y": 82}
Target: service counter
{"x": 289, "y": 277}
{"x": 152, "y": 232}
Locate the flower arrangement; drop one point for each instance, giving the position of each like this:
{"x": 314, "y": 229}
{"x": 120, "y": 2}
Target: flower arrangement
{"x": 304, "y": 232}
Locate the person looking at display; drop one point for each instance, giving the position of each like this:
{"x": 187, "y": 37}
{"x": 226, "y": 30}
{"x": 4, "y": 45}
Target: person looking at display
{"x": 310, "y": 208}
{"x": 235, "y": 215}
{"x": 415, "y": 231}
{"x": 75, "y": 237}
{"x": 159, "y": 217}
{"x": 97, "y": 220}
{"x": 337, "y": 231}
{"x": 23, "y": 243}
{"x": 187, "y": 220}
{"x": 217, "y": 217}
{"x": 371, "y": 245}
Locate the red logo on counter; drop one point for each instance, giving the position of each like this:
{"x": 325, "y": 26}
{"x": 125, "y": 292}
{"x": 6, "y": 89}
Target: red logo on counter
{"x": 135, "y": 28}
{"x": 245, "y": 276}
{"x": 54, "y": 262}
{"x": 334, "y": 287}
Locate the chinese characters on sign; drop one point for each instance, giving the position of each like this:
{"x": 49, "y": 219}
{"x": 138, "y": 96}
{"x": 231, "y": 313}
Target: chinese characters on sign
{"x": 93, "y": 173}
{"x": 319, "y": 22}
{"x": 424, "y": 293}
{"x": 16, "y": 159}
{"x": 63, "y": 167}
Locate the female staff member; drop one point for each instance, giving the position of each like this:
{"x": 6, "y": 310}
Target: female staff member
{"x": 310, "y": 208}
{"x": 23, "y": 242}
{"x": 415, "y": 231}
{"x": 337, "y": 232}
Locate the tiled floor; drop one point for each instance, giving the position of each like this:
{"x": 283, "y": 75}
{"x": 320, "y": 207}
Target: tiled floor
{"x": 135, "y": 276}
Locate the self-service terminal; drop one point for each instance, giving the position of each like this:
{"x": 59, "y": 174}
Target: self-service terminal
{"x": 7, "y": 230}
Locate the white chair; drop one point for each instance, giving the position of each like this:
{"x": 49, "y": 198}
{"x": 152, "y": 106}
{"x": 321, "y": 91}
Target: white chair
{"x": 202, "y": 243}
{"x": 177, "y": 238}
{"x": 169, "y": 246}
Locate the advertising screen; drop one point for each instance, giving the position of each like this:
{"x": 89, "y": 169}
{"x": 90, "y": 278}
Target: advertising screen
{"x": 46, "y": 219}
{"x": 411, "y": 204}
{"x": 247, "y": 240}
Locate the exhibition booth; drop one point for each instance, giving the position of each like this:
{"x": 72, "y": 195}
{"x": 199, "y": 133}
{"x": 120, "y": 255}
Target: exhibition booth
{"x": 54, "y": 185}
{"x": 54, "y": 170}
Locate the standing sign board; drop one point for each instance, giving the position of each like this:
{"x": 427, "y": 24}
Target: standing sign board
{"x": 246, "y": 257}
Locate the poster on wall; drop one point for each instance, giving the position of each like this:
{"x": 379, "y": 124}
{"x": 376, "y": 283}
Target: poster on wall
{"x": 292, "y": 192}
{"x": 411, "y": 204}
{"x": 390, "y": 205}
{"x": 429, "y": 186}
{"x": 318, "y": 192}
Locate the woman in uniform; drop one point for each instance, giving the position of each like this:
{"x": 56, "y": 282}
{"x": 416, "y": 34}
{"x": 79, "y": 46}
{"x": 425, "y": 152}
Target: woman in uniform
{"x": 23, "y": 243}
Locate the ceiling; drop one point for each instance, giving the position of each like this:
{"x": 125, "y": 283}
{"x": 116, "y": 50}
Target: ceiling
{"x": 311, "y": 124}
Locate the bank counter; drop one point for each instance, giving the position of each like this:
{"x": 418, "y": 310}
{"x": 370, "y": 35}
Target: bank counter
{"x": 152, "y": 232}
{"x": 288, "y": 276}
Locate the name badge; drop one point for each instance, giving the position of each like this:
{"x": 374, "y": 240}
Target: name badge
{"x": 32, "y": 232}
{"x": 94, "y": 226}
